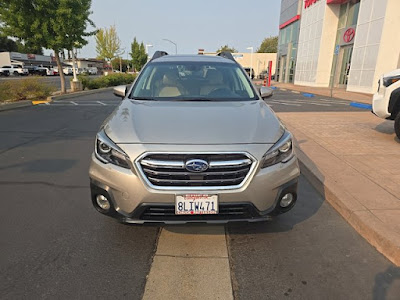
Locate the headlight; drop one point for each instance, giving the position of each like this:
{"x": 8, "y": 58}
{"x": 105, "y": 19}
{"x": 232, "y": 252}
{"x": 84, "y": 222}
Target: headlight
{"x": 108, "y": 152}
{"x": 281, "y": 152}
{"x": 388, "y": 81}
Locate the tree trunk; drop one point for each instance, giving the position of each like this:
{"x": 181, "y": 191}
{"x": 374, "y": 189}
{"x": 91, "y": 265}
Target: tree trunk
{"x": 60, "y": 72}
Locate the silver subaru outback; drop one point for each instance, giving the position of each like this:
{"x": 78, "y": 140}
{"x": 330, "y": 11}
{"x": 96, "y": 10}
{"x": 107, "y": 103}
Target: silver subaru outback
{"x": 193, "y": 141}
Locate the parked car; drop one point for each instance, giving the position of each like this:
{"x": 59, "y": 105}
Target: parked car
{"x": 92, "y": 71}
{"x": 263, "y": 74}
{"x": 386, "y": 102}
{"x": 68, "y": 71}
{"x": 16, "y": 70}
{"x": 200, "y": 148}
{"x": 4, "y": 72}
{"x": 248, "y": 72}
{"x": 35, "y": 70}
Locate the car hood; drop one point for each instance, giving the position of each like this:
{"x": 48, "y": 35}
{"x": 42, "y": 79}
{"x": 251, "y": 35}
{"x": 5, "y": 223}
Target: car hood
{"x": 185, "y": 122}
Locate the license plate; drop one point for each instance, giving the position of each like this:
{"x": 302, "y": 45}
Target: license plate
{"x": 196, "y": 204}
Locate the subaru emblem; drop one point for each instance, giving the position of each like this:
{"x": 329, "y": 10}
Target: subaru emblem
{"x": 196, "y": 165}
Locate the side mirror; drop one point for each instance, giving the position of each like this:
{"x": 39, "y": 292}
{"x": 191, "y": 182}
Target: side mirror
{"x": 266, "y": 92}
{"x": 120, "y": 91}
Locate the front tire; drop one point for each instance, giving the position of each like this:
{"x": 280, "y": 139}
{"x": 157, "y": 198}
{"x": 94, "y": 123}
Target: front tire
{"x": 397, "y": 125}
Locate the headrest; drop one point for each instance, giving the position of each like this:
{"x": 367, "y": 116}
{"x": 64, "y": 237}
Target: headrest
{"x": 170, "y": 78}
{"x": 214, "y": 76}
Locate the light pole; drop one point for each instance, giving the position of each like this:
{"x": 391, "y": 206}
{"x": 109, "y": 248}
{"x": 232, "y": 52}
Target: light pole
{"x": 251, "y": 61}
{"x": 147, "y": 48}
{"x": 120, "y": 59}
{"x": 176, "y": 46}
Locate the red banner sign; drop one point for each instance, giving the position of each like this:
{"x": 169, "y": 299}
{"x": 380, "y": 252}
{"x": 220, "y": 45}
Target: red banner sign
{"x": 308, "y": 3}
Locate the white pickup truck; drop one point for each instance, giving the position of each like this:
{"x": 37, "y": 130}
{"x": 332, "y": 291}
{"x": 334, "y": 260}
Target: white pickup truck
{"x": 15, "y": 70}
{"x": 386, "y": 102}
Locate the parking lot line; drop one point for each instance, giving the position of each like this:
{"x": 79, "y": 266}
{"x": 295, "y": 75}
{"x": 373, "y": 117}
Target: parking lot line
{"x": 74, "y": 103}
{"x": 288, "y": 104}
{"x": 101, "y": 103}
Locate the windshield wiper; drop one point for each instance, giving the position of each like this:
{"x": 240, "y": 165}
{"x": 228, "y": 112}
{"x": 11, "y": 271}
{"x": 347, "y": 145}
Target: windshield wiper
{"x": 141, "y": 98}
{"x": 194, "y": 99}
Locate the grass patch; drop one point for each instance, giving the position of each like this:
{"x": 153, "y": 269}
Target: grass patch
{"x": 31, "y": 88}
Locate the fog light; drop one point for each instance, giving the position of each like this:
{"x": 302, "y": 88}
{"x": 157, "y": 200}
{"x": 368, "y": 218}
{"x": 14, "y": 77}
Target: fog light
{"x": 286, "y": 200}
{"x": 103, "y": 202}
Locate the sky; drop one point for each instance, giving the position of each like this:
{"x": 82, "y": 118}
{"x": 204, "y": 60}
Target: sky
{"x": 206, "y": 24}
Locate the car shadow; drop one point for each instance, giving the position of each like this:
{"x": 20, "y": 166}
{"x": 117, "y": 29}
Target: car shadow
{"x": 384, "y": 282}
{"x": 385, "y": 127}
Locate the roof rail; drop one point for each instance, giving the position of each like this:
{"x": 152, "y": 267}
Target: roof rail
{"x": 227, "y": 55}
{"x": 159, "y": 54}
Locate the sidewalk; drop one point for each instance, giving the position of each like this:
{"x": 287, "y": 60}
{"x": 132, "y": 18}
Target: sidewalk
{"x": 337, "y": 93}
{"x": 353, "y": 159}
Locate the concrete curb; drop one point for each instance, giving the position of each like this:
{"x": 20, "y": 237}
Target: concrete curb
{"x": 27, "y": 103}
{"x": 383, "y": 238}
{"x": 77, "y": 94}
{"x": 14, "y": 105}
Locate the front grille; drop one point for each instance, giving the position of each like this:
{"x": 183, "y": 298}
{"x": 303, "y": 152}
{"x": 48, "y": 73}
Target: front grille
{"x": 226, "y": 212}
{"x": 168, "y": 170}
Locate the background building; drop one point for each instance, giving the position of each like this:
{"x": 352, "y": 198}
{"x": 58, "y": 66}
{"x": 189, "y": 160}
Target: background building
{"x": 16, "y": 58}
{"x": 347, "y": 43}
{"x": 289, "y": 30}
{"x": 260, "y": 60}
{"x": 87, "y": 63}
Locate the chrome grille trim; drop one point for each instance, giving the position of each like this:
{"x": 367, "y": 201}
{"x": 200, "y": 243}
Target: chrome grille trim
{"x": 227, "y": 170}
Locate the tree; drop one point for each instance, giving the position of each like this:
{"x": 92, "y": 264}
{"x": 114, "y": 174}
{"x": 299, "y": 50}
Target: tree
{"x": 55, "y": 24}
{"x": 116, "y": 64}
{"x": 138, "y": 54}
{"x": 7, "y": 44}
{"x": 108, "y": 44}
{"x": 25, "y": 48}
{"x": 269, "y": 45}
{"x": 226, "y": 48}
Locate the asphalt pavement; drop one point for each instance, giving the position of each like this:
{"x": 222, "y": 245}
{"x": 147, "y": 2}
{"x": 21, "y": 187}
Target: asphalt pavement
{"x": 55, "y": 245}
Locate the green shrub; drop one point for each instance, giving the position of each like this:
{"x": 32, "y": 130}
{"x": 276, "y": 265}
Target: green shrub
{"x": 84, "y": 78}
{"x": 23, "y": 89}
{"x": 106, "y": 81}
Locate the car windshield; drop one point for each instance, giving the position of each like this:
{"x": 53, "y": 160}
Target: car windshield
{"x": 193, "y": 81}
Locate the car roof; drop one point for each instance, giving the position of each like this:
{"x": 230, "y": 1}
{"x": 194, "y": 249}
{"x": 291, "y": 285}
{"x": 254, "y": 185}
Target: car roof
{"x": 193, "y": 58}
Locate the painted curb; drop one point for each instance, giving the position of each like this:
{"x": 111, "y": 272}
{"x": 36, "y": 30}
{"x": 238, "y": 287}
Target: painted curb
{"x": 361, "y": 105}
{"x": 27, "y": 103}
{"x": 308, "y": 95}
{"x": 14, "y": 105}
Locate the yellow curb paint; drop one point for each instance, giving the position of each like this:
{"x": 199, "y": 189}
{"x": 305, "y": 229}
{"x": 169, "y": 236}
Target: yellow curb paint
{"x": 40, "y": 102}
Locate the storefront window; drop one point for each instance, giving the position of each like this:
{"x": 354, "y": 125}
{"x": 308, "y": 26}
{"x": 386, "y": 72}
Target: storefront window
{"x": 352, "y": 16}
{"x": 287, "y": 52}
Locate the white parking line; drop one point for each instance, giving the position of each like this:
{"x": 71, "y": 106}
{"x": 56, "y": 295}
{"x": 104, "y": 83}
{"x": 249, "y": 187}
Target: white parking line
{"x": 101, "y": 103}
{"x": 74, "y": 103}
{"x": 288, "y": 104}
{"x": 301, "y": 102}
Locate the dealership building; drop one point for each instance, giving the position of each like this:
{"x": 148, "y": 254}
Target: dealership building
{"x": 347, "y": 44}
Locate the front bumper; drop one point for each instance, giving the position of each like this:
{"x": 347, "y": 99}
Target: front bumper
{"x": 132, "y": 199}
{"x": 380, "y": 104}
